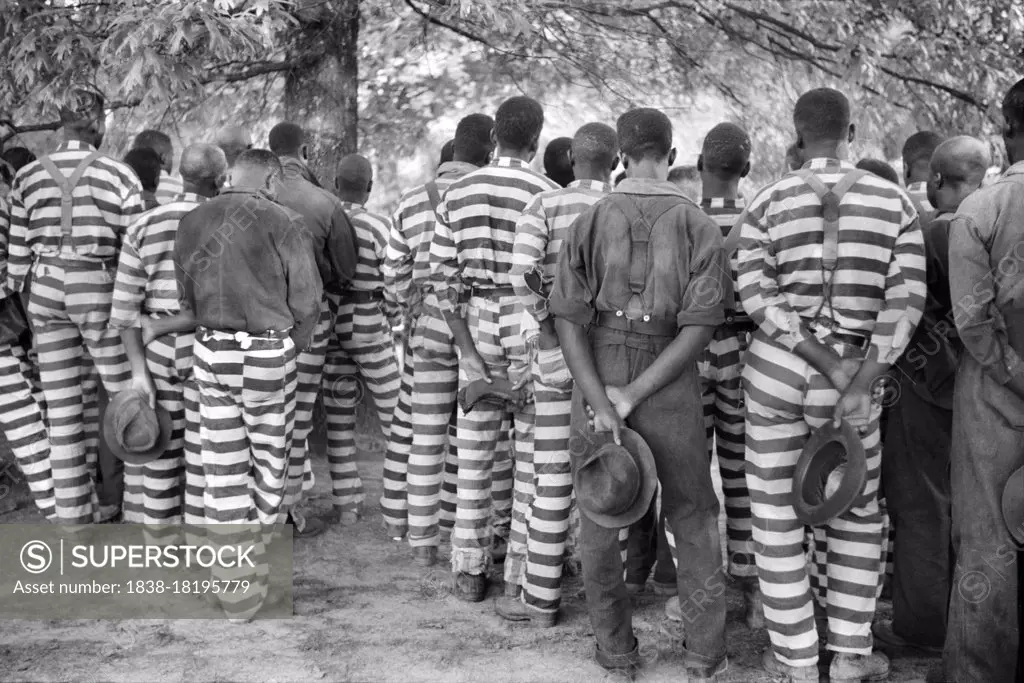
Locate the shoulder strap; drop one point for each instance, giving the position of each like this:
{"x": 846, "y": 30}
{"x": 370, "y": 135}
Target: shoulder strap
{"x": 830, "y": 199}
{"x": 433, "y": 195}
{"x": 640, "y": 229}
{"x": 67, "y": 188}
{"x": 732, "y": 240}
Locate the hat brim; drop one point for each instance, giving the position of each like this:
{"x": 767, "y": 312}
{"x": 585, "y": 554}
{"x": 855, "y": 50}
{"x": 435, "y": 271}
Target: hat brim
{"x": 812, "y": 507}
{"x": 1013, "y": 506}
{"x": 134, "y": 457}
{"x": 635, "y": 444}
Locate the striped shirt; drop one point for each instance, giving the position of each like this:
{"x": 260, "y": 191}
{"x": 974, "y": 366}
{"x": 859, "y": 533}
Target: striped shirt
{"x": 372, "y": 233}
{"x": 106, "y": 201}
{"x": 919, "y": 196}
{"x": 476, "y": 228}
{"x": 407, "y": 265}
{"x": 878, "y": 287}
{"x": 145, "y": 281}
{"x": 540, "y": 231}
{"x": 169, "y": 189}
{"x": 725, "y": 212}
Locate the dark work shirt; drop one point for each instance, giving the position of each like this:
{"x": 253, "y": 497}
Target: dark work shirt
{"x": 685, "y": 279}
{"x": 332, "y": 234}
{"x": 245, "y": 264}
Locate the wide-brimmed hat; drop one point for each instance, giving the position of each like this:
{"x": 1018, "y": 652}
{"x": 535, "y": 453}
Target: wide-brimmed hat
{"x": 829, "y": 475}
{"x": 1013, "y": 506}
{"x": 133, "y": 431}
{"x": 615, "y": 484}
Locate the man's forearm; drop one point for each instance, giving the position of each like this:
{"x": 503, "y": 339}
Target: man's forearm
{"x": 134, "y": 349}
{"x": 580, "y": 359}
{"x": 460, "y": 332}
{"x": 670, "y": 363}
{"x": 180, "y": 322}
{"x": 820, "y": 357}
{"x": 870, "y": 371}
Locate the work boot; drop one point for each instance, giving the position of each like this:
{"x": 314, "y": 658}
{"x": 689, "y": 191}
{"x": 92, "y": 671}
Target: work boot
{"x": 847, "y": 668}
{"x": 514, "y": 609}
{"x": 345, "y": 517}
{"x": 470, "y": 587}
{"x": 394, "y": 532}
{"x": 424, "y": 555}
{"x": 697, "y": 671}
{"x": 891, "y": 642}
{"x": 303, "y": 526}
{"x": 627, "y": 665}
{"x": 794, "y": 674}
{"x": 753, "y": 603}
{"x": 109, "y": 514}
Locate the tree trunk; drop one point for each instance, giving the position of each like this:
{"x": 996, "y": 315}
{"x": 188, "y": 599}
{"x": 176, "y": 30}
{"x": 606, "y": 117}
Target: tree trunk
{"x": 322, "y": 94}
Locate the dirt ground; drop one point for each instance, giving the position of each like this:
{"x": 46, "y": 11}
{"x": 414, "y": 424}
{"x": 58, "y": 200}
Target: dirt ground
{"x": 362, "y": 612}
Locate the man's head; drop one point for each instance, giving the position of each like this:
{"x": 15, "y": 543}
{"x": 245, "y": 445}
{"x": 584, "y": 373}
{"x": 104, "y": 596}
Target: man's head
{"x": 355, "y": 178}
{"x": 233, "y": 140}
{"x": 517, "y": 127}
{"x": 822, "y": 121}
{"x": 794, "y": 157}
{"x": 146, "y": 163}
{"x": 880, "y": 169}
{"x": 159, "y": 143}
{"x": 448, "y": 150}
{"x": 203, "y": 168}
{"x": 287, "y": 139}
{"x": 687, "y": 179}
{"x": 594, "y": 152}
{"x": 917, "y": 153}
{"x": 1013, "y": 122}
{"x": 18, "y": 157}
{"x": 725, "y": 154}
{"x": 557, "y": 164}
{"x": 256, "y": 169}
{"x": 645, "y": 136}
{"x": 83, "y": 116}
{"x": 958, "y": 168}
{"x": 473, "y": 143}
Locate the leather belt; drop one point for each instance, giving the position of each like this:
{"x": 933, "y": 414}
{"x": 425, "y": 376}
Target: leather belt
{"x": 488, "y": 292}
{"x": 654, "y": 327}
{"x": 69, "y": 262}
{"x": 739, "y": 323}
{"x": 858, "y": 340}
{"x": 224, "y": 335}
{"x": 362, "y": 296}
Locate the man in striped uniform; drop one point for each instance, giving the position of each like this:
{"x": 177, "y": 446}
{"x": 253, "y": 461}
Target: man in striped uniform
{"x": 334, "y": 248}
{"x": 540, "y": 512}
{"x": 361, "y": 352}
{"x": 69, "y": 212}
{"x": 21, "y": 402}
{"x": 917, "y": 154}
{"x": 470, "y": 264}
{"x": 146, "y": 288}
{"x": 431, "y": 373}
{"x": 835, "y": 303}
{"x": 170, "y": 187}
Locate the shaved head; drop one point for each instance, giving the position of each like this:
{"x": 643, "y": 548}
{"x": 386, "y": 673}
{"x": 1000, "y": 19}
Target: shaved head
{"x": 596, "y": 144}
{"x": 233, "y": 140}
{"x": 822, "y": 115}
{"x": 286, "y": 139}
{"x": 726, "y": 151}
{"x": 202, "y": 161}
{"x": 158, "y": 142}
{"x": 355, "y": 178}
{"x": 962, "y": 160}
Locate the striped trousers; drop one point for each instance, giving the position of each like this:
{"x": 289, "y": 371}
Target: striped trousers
{"x": 394, "y": 501}
{"x": 246, "y": 422}
{"x": 721, "y": 367}
{"x": 153, "y": 493}
{"x": 495, "y": 328}
{"x": 787, "y": 399}
{"x": 547, "y": 498}
{"x": 21, "y": 418}
{"x": 309, "y": 365}
{"x": 69, "y": 308}
{"x": 360, "y": 357}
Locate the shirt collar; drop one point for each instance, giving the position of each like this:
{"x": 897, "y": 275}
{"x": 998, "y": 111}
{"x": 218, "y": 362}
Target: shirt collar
{"x": 190, "y": 197}
{"x": 1016, "y": 169}
{"x": 350, "y": 206}
{"x": 919, "y": 186}
{"x": 827, "y": 164}
{"x": 509, "y": 162}
{"x": 591, "y": 185}
{"x": 649, "y": 186}
{"x": 242, "y": 190}
{"x": 75, "y": 145}
{"x": 722, "y": 203}
{"x": 455, "y": 168}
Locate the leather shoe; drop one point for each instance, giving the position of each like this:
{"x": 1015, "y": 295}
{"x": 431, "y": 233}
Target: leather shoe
{"x": 514, "y": 609}
{"x": 847, "y": 668}
{"x": 470, "y": 587}
{"x": 887, "y": 639}
{"x": 424, "y": 555}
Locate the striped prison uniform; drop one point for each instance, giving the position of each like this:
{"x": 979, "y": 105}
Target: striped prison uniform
{"x": 146, "y": 284}
{"x": 21, "y": 406}
{"x": 430, "y": 377}
{"x": 878, "y": 290}
{"x": 69, "y": 302}
{"x": 169, "y": 188}
{"x": 360, "y": 357}
{"x": 543, "y": 499}
{"x": 470, "y": 265}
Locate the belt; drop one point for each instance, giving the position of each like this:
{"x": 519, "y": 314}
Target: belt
{"x": 827, "y": 327}
{"x": 75, "y": 262}
{"x": 242, "y": 337}
{"x": 739, "y": 323}
{"x": 488, "y": 292}
{"x": 362, "y": 296}
{"x": 654, "y": 327}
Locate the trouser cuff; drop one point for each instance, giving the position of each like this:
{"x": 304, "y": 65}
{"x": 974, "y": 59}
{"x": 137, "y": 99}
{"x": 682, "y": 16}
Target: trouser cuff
{"x": 469, "y": 560}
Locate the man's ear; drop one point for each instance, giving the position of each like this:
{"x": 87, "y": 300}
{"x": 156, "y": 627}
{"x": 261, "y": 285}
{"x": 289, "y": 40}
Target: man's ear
{"x": 700, "y": 163}
{"x": 799, "y": 140}
{"x": 369, "y": 187}
{"x": 937, "y": 179}
{"x": 304, "y": 152}
{"x": 672, "y": 156}
{"x": 572, "y": 159}
{"x": 852, "y": 134}
{"x": 615, "y": 162}
{"x": 745, "y": 171}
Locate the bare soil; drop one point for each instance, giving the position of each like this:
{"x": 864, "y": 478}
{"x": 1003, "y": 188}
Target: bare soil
{"x": 362, "y": 612}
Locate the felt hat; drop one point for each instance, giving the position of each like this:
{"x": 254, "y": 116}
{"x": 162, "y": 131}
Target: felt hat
{"x": 1013, "y": 506}
{"x": 133, "y": 431}
{"x": 829, "y": 475}
{"x": 615, "y": 484}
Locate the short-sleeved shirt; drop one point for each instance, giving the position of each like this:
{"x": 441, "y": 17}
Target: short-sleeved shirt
{"x": 245, "y": 264}
{"x": 169, "y": 188}
{"x": 146, "y": 280}
{"x": 372, "y": 232}
{"x": 540, "y": 231}
{"x": 105, "y": 202}
{"x": 476, "y": 228}
{"x": 686, "y": 270}
{"x": 725, "y": 213}
{"x": 878, "y": 286}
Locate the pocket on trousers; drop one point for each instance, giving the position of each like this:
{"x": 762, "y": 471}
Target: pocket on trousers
{"x": 552, "y": 369}
{"x": 264, "y": 379}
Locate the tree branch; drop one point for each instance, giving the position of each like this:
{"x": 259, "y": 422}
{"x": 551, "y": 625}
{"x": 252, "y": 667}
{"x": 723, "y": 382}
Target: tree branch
{"x": 954, "y": 92}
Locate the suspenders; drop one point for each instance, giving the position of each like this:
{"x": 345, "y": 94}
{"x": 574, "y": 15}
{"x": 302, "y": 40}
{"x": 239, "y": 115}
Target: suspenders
{"x": 67, "y": 188}
{"x": 640, "y": 228}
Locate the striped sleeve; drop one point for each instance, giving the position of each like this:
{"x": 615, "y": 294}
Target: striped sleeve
{"x": 398, "y": 261}
{"x": 757, "y": 278}
{"x": 130, "y": 281}
{"x": 445, "y": 278}
{"x": 528, "y": 254}
{"x": 5, "y": 228}
{"x": 905, "y": 291}
{"x": 19, "y": 256}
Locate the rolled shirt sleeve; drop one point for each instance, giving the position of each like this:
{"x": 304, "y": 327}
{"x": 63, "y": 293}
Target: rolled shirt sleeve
{"x": 906, "y": 289}
{"x": 528, "y": 255}
{"x": 704, "y": 299}
{"x": 129, "y": 282}
{"x": 445, "y": 277}
{"x": 572, "y": 297}
{"x": 396, "y": 267}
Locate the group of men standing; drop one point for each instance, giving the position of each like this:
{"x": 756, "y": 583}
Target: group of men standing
{"x": 577, "y": 309}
